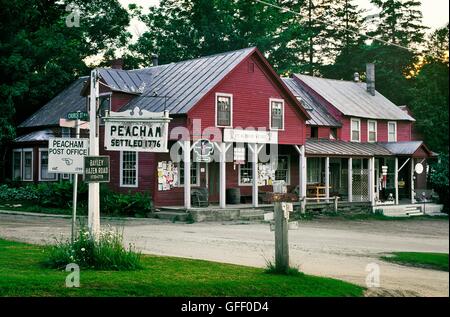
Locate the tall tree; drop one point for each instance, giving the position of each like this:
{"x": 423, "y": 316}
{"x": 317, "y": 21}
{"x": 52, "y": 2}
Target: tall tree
{"x": 181, "y": 29}
{"x": 42, "y": 47}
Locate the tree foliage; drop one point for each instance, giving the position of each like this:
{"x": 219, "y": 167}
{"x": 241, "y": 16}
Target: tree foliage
{"x": 41, "y": 54}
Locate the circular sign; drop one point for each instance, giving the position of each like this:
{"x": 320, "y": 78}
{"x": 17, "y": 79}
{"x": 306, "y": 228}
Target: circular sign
{"x": 419, "y": 168}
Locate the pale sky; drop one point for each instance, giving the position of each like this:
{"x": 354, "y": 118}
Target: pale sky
{"x": 435, "y": 12}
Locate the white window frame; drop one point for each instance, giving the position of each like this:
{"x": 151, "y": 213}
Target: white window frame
{"x": 22, "y": 162}
{"x": 121, "y": 171}
{"x": 272, "y": 100}
{"x": 395, "y": 135}
{"x": 239, "y": 177}
{"x": 351, "y": 129}
{"x": 181, "y": 164}
{"x": 40, "y": 167}
{"x": 220, "y": 94}
{"x": 288, "y": 168}
{"x": 368, "y": 131}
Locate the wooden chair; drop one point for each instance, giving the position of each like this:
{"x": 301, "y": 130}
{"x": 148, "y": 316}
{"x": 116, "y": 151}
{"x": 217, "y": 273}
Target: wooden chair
{"x": 199, "y": 197}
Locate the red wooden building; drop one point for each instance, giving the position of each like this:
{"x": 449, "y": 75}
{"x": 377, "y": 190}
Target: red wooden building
{"x": 333, "y": 137}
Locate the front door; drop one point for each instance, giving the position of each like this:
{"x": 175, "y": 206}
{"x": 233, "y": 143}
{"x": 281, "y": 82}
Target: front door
{"x": 213, "y": 181}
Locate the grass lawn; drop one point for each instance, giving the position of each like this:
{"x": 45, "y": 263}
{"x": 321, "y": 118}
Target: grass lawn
{"x": 436, "y": 261}
{"x": 21, "y": 274}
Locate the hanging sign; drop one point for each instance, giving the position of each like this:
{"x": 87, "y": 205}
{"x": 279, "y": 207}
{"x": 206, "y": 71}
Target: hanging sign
{"x": 137, "y": 131}
{"x": 203, "y": 150}
{"x": 250, "y": 136}
{"x": 418, "y": 168}
{"x": 65, "y": 155}
{"x": 96, "y": 169}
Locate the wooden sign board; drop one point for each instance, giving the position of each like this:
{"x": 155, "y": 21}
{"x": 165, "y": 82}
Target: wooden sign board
{"x": 96, "y": 169}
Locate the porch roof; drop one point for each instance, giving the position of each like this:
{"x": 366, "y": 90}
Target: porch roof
{"x": 343, "y": 148}
{"x": 35, "y": 136}
{"x": 408, "y": 148}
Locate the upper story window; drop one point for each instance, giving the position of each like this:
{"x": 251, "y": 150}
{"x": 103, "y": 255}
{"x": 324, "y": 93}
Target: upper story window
{"x": 356, "y": 130}
{"x": 276, "y": 114}
{"x": 333, "y": 134}
{"x": 23, "y": 164}
{"x": 224, "y": 110}
{"x": 314, "y": 132}
{"x": 392, "y": 131}
{"x": 371, "y": 131}
{"x": 104, "y": 105}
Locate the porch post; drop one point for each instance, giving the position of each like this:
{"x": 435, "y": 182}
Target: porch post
{"x": 302, "y": 176}
{"x": 187, "y": 173}
{"x": 327, "y": 178}
{"x": 222, "y": 199}
{"x": 396, "y": 180}
{"x": 255, "y": 174}
{"x": 350, "y": 180}
{"x": 413, "y": 194}
{"x": 372, "y": 180}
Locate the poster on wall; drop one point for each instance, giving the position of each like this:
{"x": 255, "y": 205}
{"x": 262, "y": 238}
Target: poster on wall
{"x": 167, "y": 175}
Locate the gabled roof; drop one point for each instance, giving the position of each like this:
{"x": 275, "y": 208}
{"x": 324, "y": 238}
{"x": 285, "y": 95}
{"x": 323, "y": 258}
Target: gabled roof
{"x": 125, "y": 81}
{"x": 69, "y": 100}
{"x": 352, "y": 99}
{"x": 319, "y": 114}
{"x": 35, "y": 136}
{"x": 177, "y": 87}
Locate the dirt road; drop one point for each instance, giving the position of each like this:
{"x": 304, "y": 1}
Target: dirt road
{"x": 328, "y": 247}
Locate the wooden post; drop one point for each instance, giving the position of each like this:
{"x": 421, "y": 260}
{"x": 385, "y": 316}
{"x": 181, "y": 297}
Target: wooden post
{"x": 372, "y": 181}
{"x": 187, "y": 173}
{"x": 302, "y": 177}
{"x": 94, "y": 188}
{"x": 327, "y": 179}
{"x": 350, "y": 180}
{"x": 413, "y": 194}
{"x": 255, "y": 174}
{"x": 281, "y": 239}
{"x": 223, "y": 152}
{"x": 75, "y": 188}
{"x": 396, "y": 180}
{"x": 336, "y": 203}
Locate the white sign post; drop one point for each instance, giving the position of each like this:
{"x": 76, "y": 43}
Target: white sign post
{"x": 137, "y": 131}
{"x": 66, "y": 155}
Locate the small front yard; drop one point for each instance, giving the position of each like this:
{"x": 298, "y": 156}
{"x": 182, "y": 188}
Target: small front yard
{"x": 435, "y": 261}
{"x": 22, "y": 274}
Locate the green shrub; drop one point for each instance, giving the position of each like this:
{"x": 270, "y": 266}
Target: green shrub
{"x": 19, "y": 194}
{"x": 104, "y": 253}
{"x": 137, "y": 204}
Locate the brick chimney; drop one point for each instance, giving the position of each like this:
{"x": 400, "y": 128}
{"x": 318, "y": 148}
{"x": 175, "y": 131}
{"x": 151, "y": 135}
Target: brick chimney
{"x": 155, "y": 60}
{"x": 370, "y": 78}
{"x": 117, "y": 63}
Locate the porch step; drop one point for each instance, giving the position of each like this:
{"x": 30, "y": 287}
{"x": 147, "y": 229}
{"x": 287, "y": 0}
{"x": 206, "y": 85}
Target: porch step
{"x": 252, "y": 214}
{"x": 171, "y": 215}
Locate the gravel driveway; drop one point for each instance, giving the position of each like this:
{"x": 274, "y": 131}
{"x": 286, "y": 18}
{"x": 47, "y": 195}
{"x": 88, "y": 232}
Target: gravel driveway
{"x": 326, "y": 247}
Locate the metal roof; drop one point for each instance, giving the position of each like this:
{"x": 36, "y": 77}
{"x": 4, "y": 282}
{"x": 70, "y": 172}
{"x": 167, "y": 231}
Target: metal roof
{"x": 352, "y": 99}
{"x": 343, "y": 148}
{"x": 185, "y": 83}
{"x": 404, "y": 148}
{"x": 126, "y": 81}
{"x": 69, "y": 100}
{"x": 42, "y": 135}
{"x": 319, "y": 114}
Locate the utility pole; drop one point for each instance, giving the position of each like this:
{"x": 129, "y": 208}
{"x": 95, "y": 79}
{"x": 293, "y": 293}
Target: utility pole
{"x": 281, "y": 238}
{"x": 94, "y": 188}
